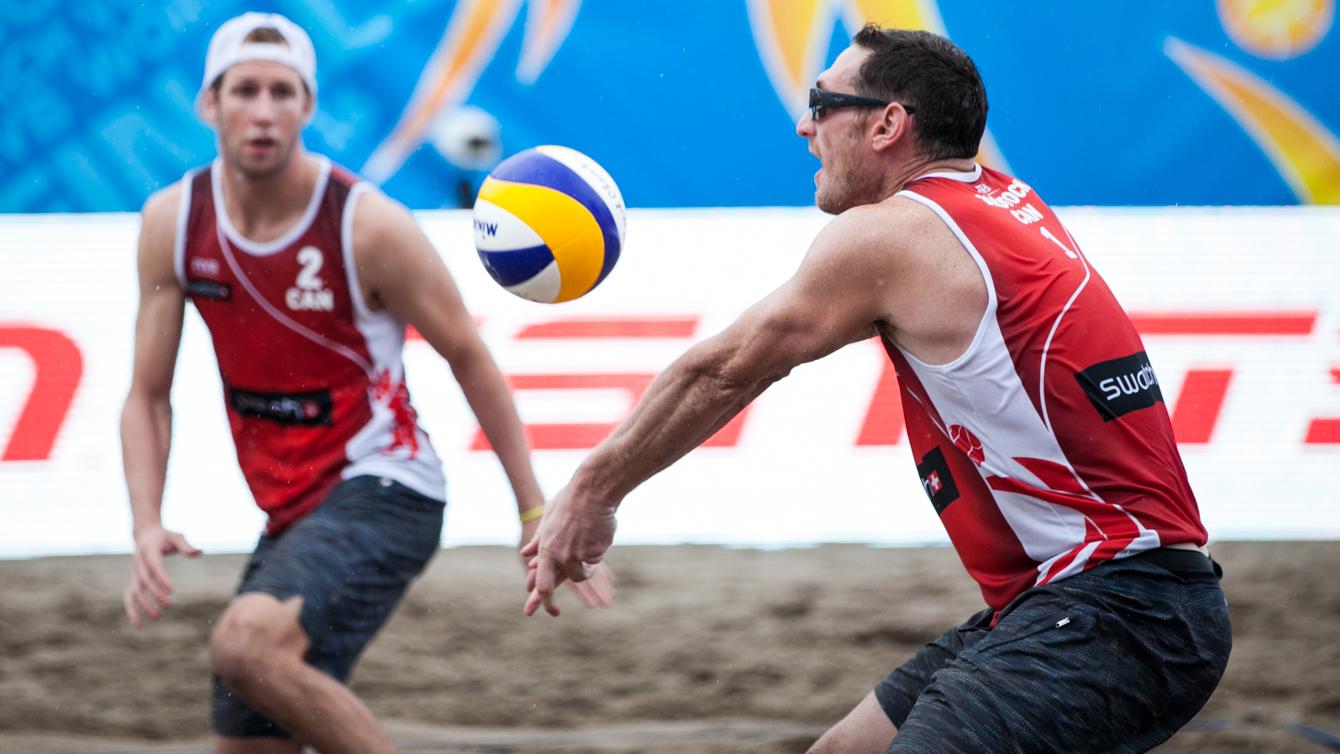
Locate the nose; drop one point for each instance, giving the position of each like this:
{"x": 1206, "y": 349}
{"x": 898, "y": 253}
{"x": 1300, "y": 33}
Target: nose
{"x": 805, "y": 126}
{"x": 266, "y": 108}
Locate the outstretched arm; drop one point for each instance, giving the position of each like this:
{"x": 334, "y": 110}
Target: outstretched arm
{"x": 836, "y": 297}
{"x": 146, "y": 420}
{"x": 401, "y": 272}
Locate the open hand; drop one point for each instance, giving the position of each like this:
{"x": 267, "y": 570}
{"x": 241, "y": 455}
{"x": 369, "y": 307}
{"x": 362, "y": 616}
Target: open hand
{"x": 571, "y": 543}
{"x": 596, "y": 591}
{"x": 150, "y": 588}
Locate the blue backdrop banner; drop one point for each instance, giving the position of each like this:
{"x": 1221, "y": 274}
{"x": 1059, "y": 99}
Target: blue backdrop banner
{"x": 691, "y": 103}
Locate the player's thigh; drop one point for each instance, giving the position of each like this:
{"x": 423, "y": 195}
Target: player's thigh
{"x": 898, "y": 691}
{"x": 1007, "y": 693}
{"x": 351, "y": 560}
{"x": 256, "y": 624}
{"x": 865, "y": 729}
{"x": 873, "y": 722}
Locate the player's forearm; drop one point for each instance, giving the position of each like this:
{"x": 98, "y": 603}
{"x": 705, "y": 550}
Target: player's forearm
{"x": 146, "y": 436}
{"x": 685, "y": 405}
{"x": 489, "y": 397}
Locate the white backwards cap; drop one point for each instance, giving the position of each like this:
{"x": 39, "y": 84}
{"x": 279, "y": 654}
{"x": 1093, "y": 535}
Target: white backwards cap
{"x": 228, "y": 47}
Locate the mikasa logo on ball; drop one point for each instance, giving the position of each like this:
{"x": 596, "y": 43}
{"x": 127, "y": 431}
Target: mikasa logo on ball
{"x": 549, "y": 224}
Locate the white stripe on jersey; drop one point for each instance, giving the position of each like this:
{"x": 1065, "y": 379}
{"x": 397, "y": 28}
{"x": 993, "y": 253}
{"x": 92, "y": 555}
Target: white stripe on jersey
{"x": 384, "y": 335}
{"x": 982, "y": 391}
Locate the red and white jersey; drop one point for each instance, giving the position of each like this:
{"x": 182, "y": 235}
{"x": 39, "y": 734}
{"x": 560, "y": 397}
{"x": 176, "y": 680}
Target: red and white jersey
{"x": 1046, "y": 447}
{"x": 312, "y": 378}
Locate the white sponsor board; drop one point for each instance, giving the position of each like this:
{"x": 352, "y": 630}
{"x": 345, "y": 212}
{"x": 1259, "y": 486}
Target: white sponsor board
{"x": 1239, "y": 308}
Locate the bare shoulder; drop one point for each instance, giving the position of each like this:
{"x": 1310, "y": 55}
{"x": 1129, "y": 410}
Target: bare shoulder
{"x": 895, "y": 223}
{"x": 158, "y": 216}
{"x": 857, "y": 266}
{"x": 916, "y": 221}
{"x": 934, "y": 293}
{"x": 393, "y": 256}
{"x": 907, "y": 271}
{"x": 158, "y": 233}
{"x": 888, "y": 234}
{"x": 905, "y": 235}
{"x": 380, "y": 222}
{"x": 163, "y": 200}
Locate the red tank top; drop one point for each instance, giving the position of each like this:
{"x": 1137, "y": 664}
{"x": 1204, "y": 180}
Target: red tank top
{"x": 1046, "y": 447}
{"x": 312, "y": 379}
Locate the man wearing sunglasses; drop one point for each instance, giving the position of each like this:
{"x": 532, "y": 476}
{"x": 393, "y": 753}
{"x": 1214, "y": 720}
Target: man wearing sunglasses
{"x": 1033, "y": 414}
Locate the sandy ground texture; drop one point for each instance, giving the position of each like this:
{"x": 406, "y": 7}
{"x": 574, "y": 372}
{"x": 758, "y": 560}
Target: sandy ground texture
{"x": 708, "y": 650}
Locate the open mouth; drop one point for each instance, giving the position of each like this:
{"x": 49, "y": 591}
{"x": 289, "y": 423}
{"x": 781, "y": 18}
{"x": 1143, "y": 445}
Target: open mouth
{"x": 262, "y": 144}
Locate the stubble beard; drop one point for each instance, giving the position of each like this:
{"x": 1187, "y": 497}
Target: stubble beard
{"x": 847, "y": 187}
{"x": 850, "y": 182}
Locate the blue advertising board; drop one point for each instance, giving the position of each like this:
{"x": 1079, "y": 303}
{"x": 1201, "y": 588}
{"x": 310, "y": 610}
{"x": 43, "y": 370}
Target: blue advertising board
{"x": 691, "y": 103}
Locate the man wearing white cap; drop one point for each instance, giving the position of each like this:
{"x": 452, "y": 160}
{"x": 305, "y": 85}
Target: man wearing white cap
{"x": 306, "y": 278}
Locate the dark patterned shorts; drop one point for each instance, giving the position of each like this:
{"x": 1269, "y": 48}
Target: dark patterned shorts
{"x": 350, "y": 560}
{"x": 1116, "y": 659}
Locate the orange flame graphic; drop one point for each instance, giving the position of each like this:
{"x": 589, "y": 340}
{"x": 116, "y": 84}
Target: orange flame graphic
{"x": 470, "y": 42}
{"x": 792, "y": 39}
{"x": 1304, "y": 152}
{"x": 546, "y": 28}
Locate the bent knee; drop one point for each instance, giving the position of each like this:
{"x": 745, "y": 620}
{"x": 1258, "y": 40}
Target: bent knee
{"x": 253, "y": 631}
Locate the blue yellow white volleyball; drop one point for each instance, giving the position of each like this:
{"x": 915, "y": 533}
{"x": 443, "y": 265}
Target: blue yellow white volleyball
{"x": 549, "y": 224}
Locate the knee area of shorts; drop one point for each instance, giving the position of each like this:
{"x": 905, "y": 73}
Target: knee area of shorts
{"x": 252, "y": 631}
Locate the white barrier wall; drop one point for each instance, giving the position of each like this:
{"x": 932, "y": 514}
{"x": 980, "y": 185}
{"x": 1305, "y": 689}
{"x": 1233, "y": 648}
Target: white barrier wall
{"x": 1239, "y": 308}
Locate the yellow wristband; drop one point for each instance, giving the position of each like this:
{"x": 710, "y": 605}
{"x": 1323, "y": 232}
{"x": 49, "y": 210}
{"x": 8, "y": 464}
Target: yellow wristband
{"x": 532, "y": 514}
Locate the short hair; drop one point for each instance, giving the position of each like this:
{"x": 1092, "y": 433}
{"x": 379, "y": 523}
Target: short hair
{"x": 265, "y": 35}
{"x": 932, "y": 76}
{"x": 258, "y": 35}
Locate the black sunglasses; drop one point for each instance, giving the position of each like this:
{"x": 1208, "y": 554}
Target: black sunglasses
{"x": 822, "y": 100}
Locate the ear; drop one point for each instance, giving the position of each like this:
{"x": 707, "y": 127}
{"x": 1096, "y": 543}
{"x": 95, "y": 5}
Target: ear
{"x": 208, "y": 105}
{"x": 889, "y": 126}
{"x": 308, "y": 109}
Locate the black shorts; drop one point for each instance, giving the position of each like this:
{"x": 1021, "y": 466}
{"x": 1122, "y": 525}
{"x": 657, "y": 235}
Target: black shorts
{"x": 1116, "y": 659}
{"x": 350, "y": 560}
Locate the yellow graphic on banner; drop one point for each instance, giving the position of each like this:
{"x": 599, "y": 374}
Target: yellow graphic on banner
{"x": 1277, "y": 29}
{"x": 1304, "y": 152}
{"x": 901, "y": 14}
{"x": 792, "y": 35}
{"x": 792, "y": 42}
{"x": 471, "y": 40}
{"x": 792, "y": 39}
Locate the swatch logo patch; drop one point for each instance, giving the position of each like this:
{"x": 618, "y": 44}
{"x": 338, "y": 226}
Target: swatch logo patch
{"x": 293, "y": 409}
{"x": 1120, "y": 386}
{"x": 210, "y": 289}
{"x": 937, "y": 481}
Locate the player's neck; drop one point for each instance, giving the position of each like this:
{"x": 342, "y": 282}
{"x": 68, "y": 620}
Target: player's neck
{"x": 262, "y": 209}
{"x": 897, "y": 178}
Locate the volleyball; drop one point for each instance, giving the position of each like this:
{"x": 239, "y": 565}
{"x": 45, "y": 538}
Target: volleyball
{"x": 549, "y": 224}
